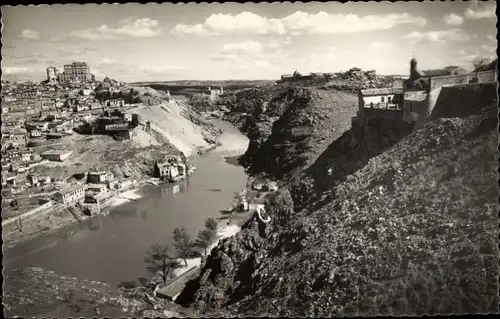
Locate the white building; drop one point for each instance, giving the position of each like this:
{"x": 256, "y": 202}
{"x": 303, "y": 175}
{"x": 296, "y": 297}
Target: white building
{"x": 56, "y": 155}
{"x": 70, "y": 195}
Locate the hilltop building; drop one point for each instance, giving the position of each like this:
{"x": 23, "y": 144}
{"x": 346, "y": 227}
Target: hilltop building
{"x": 415, "y": 101}
{"x": 213, "y": 93}
{"x": 76, "y": 72}
{"x": 52, "y": 74}
{"x": 423, "y": 88}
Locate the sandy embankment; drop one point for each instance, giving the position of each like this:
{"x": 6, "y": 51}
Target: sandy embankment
{"x": 167, "y": 119}
{"x": 122, "y": 198}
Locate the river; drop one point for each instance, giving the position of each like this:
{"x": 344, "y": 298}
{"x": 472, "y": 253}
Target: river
{"x": 111, "y": 249}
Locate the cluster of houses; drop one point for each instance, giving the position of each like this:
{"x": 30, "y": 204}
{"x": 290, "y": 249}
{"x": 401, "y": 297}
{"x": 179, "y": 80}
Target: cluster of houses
{"x": 367, "y": 77}
{"x": 311, "y": 78}
{"x": 414, "y": 101}
{"x": 113, "y": 122}
{"x": 172, "y": 168}
{"x": 33, "y": 113}
{"x": 212, "y": 94}
{"x": 98, "y": 186}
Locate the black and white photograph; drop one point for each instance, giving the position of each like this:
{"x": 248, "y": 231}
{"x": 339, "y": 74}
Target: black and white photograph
{"x": 274, "y": 159}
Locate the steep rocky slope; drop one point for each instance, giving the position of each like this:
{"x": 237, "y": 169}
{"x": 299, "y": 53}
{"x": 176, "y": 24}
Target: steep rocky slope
{"x": 35, "y": 292}
{"x": 411, "y": 231}
{"x": 289, "y": 127}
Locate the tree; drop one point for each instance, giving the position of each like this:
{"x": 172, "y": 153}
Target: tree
{"x": 135, "y": 120}
{"x": 205, "y": 239}
{"x": 480, "y": 62}
{"x": 158, "y": 260}
{"x": 183, "y": 244}
{"x": 211, "y": 224}
{"x": 296, "y": 75}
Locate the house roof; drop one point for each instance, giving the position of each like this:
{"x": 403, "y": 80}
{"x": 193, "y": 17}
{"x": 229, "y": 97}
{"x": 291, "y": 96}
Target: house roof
{"x": 98, "y": 173}
{"x": 382, "y": 91}
{"x": 435, "y": 72}
{"x": 70, "y": 188}
{"x": 56, "y": 152}
{"x": 416, "y": 96}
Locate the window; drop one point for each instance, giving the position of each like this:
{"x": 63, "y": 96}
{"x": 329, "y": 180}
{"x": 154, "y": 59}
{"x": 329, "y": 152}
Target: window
{"x": 383, "y": 99}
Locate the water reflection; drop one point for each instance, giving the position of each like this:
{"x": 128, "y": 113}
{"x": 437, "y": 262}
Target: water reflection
{"x": 95, "y": 224}
{"x": 123, "y": 237}
{"x": 125, "y": 213}
{"x": 179, "y": 187}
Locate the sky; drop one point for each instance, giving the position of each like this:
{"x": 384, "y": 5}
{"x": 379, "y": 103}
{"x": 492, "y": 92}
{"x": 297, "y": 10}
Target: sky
{"x": 160, "y": 42}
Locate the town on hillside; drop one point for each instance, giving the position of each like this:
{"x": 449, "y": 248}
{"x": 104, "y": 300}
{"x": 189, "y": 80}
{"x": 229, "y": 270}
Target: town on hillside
{"x": 258, "y": 160}
{"x": 42, "y": 123}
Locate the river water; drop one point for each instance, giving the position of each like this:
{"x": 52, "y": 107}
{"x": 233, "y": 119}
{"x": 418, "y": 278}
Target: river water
{"x": 111, "y": 249}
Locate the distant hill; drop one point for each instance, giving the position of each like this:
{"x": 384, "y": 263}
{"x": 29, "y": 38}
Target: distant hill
{"x": 247, "y": 83}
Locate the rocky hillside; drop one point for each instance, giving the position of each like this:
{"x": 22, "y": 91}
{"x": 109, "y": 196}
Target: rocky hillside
{"x": 412, "y": 231}
{"x": 289, "y": 127}
{"x": 35, "y": 292}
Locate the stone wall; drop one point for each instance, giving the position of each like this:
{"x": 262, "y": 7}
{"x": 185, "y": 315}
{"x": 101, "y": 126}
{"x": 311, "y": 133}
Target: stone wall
{"x": 461, "y": 100}
{"x": 482, "y": 77}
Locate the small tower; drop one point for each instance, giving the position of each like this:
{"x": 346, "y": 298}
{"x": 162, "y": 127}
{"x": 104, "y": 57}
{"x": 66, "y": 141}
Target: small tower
{"x": 414, "y": 74}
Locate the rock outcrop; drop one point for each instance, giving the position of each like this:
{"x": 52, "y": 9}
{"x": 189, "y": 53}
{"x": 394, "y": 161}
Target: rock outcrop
{"x": 292, "y": 127}
{"x": 36, "y": 292}
{"x": 409, "y": 229}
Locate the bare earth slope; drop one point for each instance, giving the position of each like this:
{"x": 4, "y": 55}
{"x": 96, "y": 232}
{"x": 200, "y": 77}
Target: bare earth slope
{"x": 182, "y": 129}
{"x": 37, "y": 292}
{"x": 413, "y": 232}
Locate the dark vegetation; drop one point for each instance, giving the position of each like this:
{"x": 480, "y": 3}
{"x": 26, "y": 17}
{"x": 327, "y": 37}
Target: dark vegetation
{"x": 379, "y": 220}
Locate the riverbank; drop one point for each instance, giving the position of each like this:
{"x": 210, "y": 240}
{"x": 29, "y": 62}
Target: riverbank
{"x": 192, "y": 266}
{"x": 53, "y": 221}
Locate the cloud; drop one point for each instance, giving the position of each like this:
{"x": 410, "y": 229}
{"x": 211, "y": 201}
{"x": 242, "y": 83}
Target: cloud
{"x": 251, "y": 55}
{"x": 332, "y": 52}
{"x": 161, "y": 69}
{"x": 10, "y": 70}
{"x": 489, "y": 49}
{"x": 30, "y": 34}
{"x": 379, "y": 46}
{"x": 481, "y": 10}
{"x": 438, "y": 36}
{"x": 106, "y": 61}
{"x": 491, "y": 37}
{"x": 453, "y": 19}
{"x": 248, "y": 47}
{"x": 295, "y": 24}
{"x": 138, "y": 28}
{"x": 250, "y": 50}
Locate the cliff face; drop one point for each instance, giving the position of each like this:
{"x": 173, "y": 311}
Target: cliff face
{"x": 401, "y": 225}
{"x": 35, "y": 292}
{"x": 289, "y": 130}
